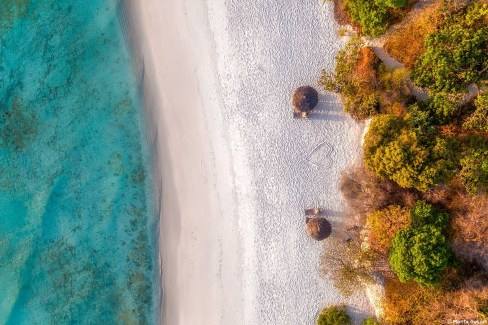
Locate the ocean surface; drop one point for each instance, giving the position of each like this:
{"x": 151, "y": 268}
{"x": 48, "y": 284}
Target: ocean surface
{"x": 77, "y": 229}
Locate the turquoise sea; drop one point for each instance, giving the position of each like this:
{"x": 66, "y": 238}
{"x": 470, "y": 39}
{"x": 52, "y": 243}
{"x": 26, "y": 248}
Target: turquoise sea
{"x": 78, "y": 232}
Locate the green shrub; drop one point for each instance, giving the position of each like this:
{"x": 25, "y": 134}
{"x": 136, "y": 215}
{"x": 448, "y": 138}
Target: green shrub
{"x": 421, "y": 121}
{"x": 479, "y": 119}
{"x": 442, "y": 107}
{"x": 393, "y": 150}
{"x": 423, "y": 213}
{"x": 370, "y": 321}
{"x": 372, "y": 15}
{"x": 393, "y": 78}
{"x": 362, "y": 106}
{"x": 419, "y": 254}
{"x": 372, "y": 18}
{"x": 457, "y": 53}
{"x": 445, "y": 155}
{"x": 483, "y": 310}
{"x": 439, "y": 109}
{"x": 474, "y": 167}
{"x": 334, "y": 315}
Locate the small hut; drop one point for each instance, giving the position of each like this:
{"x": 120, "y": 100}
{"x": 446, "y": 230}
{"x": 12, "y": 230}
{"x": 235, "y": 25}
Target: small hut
{"x": 304, "y": 99}
{"x": 318, "y": 228}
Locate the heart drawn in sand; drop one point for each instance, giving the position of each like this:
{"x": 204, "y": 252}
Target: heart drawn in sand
{"x": 321, "y": 155}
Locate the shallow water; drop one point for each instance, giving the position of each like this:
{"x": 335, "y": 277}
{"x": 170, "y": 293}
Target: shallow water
{"x": 77, "y": 235}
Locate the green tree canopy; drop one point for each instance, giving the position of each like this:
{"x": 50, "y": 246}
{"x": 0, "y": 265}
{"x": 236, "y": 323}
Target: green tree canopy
{"x": 419, "y": 254}
{"x": 393, "y": 150}
{"x": 423, "y": 213}
{"x": 456, "y": 54}
{"x": 372, "y": 15}
{"x": 442, "y": 107}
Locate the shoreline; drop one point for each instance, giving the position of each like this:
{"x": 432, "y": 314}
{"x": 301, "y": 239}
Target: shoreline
{"x": 131, "y": 28}
{"x": 232, "y": 238}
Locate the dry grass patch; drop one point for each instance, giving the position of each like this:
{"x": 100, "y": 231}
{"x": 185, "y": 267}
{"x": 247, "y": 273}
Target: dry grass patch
{"x": 410, "y": 303}
{"x": 384, "y": 225}
{"x": 365, "y": 192}
{"x": 406, "y": 44}
{"x": 470, "y": 228}
{"x": 404, "y": 300}
{"x": 341, "y": 15}
{"x": 469, "y": 220}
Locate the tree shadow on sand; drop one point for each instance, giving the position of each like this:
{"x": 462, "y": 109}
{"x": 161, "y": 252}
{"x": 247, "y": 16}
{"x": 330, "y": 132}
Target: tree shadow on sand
{"x": 357, "y": 314}
{"x": 328, "y": 109}
{"x": 330, "y": 213}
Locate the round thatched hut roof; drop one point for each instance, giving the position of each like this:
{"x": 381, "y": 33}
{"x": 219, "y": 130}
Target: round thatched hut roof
{"x": 318, "y": 228}
{"x": 304, "y": 99}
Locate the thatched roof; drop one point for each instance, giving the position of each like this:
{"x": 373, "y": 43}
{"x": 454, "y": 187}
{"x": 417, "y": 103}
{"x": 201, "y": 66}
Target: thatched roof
{"x": 304, "y": 99}
{"x": 318, "y": 228}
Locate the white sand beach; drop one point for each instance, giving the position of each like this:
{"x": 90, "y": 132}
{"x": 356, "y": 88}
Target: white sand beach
{"x": 237, "y": 169}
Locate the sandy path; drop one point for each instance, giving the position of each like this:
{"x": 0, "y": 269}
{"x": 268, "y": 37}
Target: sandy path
{"x": 237, "y": 169}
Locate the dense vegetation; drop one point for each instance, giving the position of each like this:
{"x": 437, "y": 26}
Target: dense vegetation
{"x": 366, "y": 85}
{"x": 410, "y": 303}
{"x": 423, "y": 188}
{"x": 478, "y": 120}
{"x": 431, "y": 142}
{"x": 420, "y": 254}
{"x": 474, "y": 167}
{"x": 415, "y": 240}
{"x": 457, "y": 53}
{"x": 402, "y": 149}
